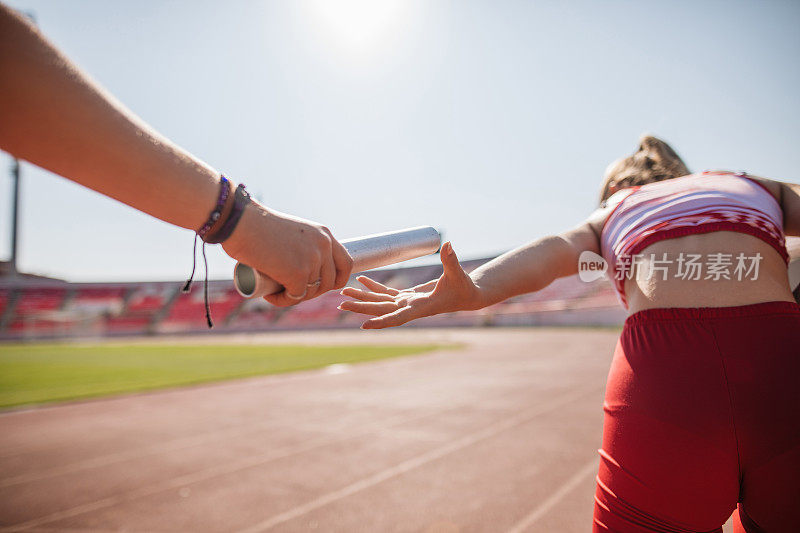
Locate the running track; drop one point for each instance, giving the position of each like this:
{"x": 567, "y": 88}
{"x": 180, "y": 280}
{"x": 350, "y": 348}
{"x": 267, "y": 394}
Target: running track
{"x": 498, "y": 436}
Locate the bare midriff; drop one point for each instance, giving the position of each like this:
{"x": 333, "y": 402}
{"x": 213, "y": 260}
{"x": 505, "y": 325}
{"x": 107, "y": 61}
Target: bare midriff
{"x": 771, "y": 283}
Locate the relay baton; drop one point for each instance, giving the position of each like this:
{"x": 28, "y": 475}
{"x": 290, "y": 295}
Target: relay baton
{"x": 368, "y": 252}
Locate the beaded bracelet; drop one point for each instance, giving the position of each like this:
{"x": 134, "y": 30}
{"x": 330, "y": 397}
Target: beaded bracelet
{"x": 219, "y": 226}
{"x": 216, "y": 213}
{"x": 241, "y": 199}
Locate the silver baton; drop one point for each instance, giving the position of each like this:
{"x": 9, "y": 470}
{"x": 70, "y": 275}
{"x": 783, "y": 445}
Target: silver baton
{"x": 368, "y": 252}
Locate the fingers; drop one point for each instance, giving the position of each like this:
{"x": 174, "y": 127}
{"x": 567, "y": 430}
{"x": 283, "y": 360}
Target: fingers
{"x": 321, "y": 279}
{"x": 396, "y": 318}
{"x": 375, "y": 286}
{"x": 369, "y": 308}
{"x": 285, "y": 298}
{"x": 296, "y": 289}
{"x": 365, "y": 296}
{"x": 327, "y": 277}
{"x": 343, "y": 264}
{"x": 292, "y": 251}
{"x": 425, "y": 287}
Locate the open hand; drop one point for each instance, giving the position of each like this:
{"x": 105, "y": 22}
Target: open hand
{"x": 453, "y": 291}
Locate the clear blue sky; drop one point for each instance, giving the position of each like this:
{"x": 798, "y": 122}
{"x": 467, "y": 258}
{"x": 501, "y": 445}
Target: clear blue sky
{"x": 492, "y": 120}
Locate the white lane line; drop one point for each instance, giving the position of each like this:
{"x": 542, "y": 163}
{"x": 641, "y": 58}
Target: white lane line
{"x": 64, "y": 530}
{"x": 577, "y": 478}
{"x": 416, "y": 462}
{"x": 223, "y": 469}
{"x": 162, "y": 447}
{"x": 140, "y": 453}
{"x": 244, "y": 383}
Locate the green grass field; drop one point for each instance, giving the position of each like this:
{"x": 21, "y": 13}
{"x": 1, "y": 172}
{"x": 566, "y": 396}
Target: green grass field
{"x": 38, "y": 373}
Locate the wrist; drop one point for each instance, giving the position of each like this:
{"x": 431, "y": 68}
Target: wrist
{"x": 234, "y": 207}
{"x": 476, "y": 300}
{"x": 192, "y": 192}
{"x": 222, "y": 210}
{"x": 474, "y": 297}
{"x": 254, "y": 216}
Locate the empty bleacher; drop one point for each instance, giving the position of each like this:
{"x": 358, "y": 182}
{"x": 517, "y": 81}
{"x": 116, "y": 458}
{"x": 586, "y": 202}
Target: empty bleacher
{"x": 256, "y": 315}
{"x": 187, "y": 311}
{"x": 31, "y": 308}
{"x": 35, "y": 300}
{"x": 142, "y": 306}
{"x": 97, "y": 299}
{"x": 321, "y": 311}
{"x": 5, "y": 295}
{"x": 35, "y": 312}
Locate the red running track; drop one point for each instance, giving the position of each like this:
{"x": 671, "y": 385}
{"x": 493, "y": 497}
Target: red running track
{"x": 500, "y": 435}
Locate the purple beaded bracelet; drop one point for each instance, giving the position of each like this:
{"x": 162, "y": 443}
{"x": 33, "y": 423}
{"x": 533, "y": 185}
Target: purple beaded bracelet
{"x": 224, "y": 191}
{"x": 222, "y": 200}
{"x": 240, "y": 200}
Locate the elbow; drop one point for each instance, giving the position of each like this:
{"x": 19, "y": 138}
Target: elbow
{"x": 790, "y": 205}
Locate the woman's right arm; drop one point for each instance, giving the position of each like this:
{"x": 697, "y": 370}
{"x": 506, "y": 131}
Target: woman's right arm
{"x": 534, "y": 266}
{"x": 56, "y": 117}
{"x": 528, "y": 268}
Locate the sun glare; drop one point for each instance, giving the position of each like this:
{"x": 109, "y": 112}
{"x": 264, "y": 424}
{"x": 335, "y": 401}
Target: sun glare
{"x": 359, "y": 26}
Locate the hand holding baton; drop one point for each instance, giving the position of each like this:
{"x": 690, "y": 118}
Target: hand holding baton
{"x": 368, "y": 252}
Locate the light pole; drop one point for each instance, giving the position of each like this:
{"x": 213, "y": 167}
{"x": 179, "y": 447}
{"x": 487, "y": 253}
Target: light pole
{"x": 15, "y": 175}
{"x": 14, "y": 215}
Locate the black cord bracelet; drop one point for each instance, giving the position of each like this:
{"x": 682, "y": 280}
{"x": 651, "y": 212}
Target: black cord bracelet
{"x": 240, "y": 200}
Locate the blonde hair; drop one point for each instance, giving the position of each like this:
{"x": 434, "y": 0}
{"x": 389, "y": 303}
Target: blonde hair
{"x": 654, "y": 160}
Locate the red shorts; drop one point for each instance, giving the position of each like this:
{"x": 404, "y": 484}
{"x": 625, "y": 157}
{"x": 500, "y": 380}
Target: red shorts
{"x": 702, "y": 411}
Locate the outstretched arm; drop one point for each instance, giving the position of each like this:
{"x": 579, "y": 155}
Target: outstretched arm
{"x": 534, "y": 266}
{"x": 55, "y": 116}
{"x": 526, "y": 269}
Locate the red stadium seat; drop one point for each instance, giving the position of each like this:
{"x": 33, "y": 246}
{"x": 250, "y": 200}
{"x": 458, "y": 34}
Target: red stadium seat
{"x": 143, "y": 308}
{"x": 34, "y": 300}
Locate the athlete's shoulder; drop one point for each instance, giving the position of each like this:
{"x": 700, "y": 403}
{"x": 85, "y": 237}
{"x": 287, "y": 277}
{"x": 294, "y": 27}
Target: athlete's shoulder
{"x": 599, "y": 216}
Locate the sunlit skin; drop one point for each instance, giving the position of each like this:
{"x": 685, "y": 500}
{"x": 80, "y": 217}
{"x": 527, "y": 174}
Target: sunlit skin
{"x": 56, "y": 117}
{"x": 534, "y": 266}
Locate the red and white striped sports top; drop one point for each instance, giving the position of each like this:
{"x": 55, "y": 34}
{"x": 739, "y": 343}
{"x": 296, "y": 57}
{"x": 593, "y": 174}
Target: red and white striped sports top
{"x": 697, "y": 203}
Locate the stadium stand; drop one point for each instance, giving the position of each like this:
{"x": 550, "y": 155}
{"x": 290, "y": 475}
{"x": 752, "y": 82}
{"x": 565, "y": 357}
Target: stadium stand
{"x": 188, "y": 309}
{"x": 5, "y": 295}
{"x": 35, "y": 307}
{"x": 255, "y": 315}
{"x": 35, "y": 300}
{"x": 39, "y": 308}
{"x": 97, "y": 299}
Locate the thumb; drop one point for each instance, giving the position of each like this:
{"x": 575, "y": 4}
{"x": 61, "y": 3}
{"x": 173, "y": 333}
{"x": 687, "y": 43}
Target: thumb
{"x": 450, "y": 261}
